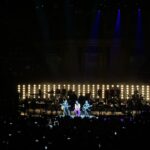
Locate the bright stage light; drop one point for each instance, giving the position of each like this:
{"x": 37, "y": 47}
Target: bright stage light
{"x": 83, "y": 89}
{"x": 19, "y": 88}
{"x": 73, "y": 88}
{"x": 143, "y": 90}
{"x": 107, "y": 87}
{"x": 68, "y": 87}
{"x": 103, "y": 90}
{"x": 39, "y": 86}
{"x": 79, "y": 90}
{"x": 27, "y": 90}
{"x": 88, "y": 88}
{"x": 24, "y": 91}
{"x": 112, "y": 85}
{"x": 147, "y": 93}
{"x": 117, "y": 86}
{"x": 122, "y": 91}
{"x": 44, "y": 90}
{"x": 98, "y": 86}
{"x": 127, "y": 91}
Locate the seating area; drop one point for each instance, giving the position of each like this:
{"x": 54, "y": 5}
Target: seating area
{"x": 55, "y": 132}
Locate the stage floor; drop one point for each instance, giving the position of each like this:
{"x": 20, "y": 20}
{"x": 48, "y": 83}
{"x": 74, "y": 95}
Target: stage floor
{"x": 40, "y": 112}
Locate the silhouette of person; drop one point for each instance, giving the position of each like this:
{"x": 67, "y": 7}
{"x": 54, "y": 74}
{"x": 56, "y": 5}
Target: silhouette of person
{"x": 65, "y": 107}
{"x": 77, "y": 109}
{"x": 86, "y": 109}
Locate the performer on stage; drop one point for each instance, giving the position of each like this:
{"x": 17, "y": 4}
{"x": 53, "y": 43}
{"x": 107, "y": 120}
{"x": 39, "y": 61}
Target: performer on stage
{"x": 77, "y": 109}
{"x": 86, "y": 109}
{"x": 65, "y": 107}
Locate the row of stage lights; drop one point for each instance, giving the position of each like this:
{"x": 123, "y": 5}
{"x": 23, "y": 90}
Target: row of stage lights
{"x": 125, "y": 90}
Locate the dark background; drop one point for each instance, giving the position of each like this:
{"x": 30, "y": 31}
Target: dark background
{"x": 49, "y": 40}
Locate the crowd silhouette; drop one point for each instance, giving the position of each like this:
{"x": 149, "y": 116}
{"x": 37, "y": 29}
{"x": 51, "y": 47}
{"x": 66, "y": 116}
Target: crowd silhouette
{"x": 105, "y": 132}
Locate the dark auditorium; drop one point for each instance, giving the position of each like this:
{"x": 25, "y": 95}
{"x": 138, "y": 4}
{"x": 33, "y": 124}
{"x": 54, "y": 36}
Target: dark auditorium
{"x": 75, "y": 74}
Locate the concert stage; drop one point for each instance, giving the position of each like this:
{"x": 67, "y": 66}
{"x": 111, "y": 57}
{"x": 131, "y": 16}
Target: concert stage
{"x": 106, "y": 99}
